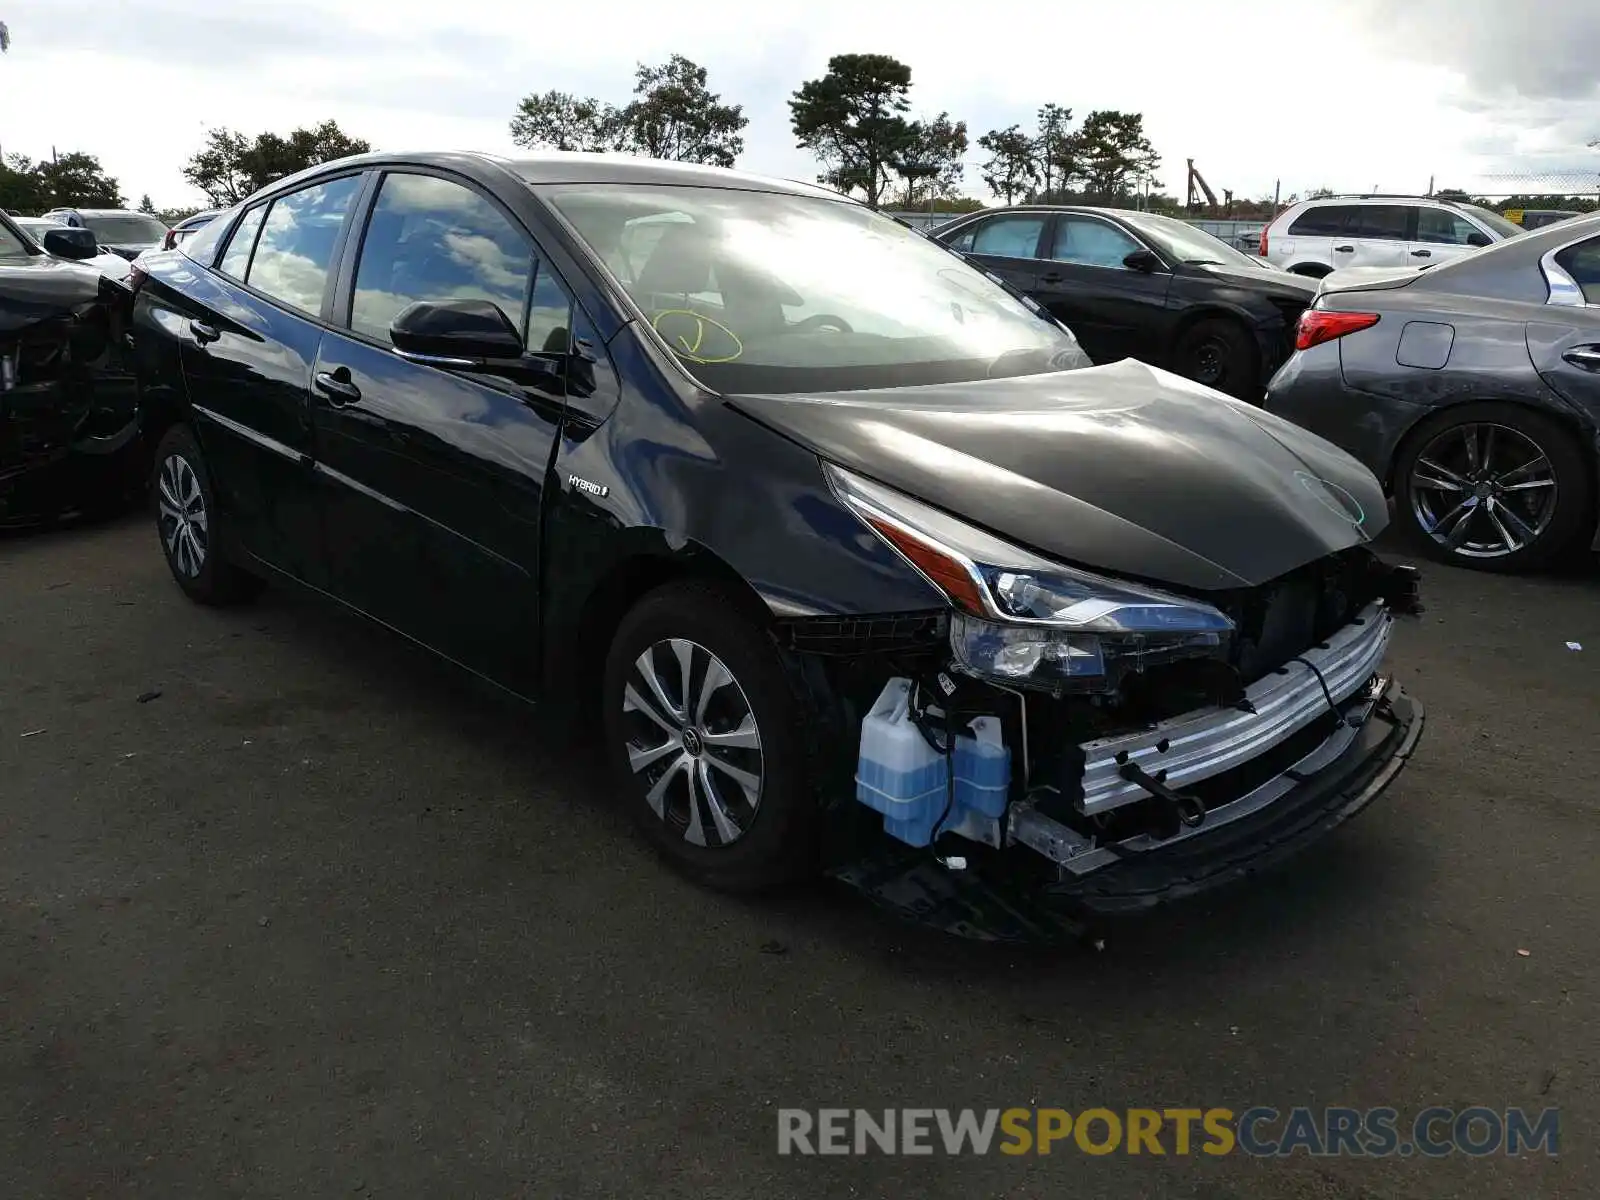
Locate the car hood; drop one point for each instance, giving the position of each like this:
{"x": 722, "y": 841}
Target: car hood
{"x": 1283, "y": 284}
{"x": 42, "y": 286}
{"x": 1123, "y": 468}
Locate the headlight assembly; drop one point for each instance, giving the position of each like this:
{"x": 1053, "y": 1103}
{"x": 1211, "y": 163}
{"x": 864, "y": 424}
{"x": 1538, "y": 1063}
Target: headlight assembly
{"x": 1026, "y": 621}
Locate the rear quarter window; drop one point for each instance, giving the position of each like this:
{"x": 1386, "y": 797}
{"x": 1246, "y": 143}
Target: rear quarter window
{"x": 1326, "y": 220}
{"x": 236, "y": 258}
{"x": 1582, "y": 262}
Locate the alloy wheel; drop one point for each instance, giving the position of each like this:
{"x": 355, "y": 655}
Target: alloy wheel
{"x": 1483, "y": 490}
{"x": 185, "y": 527}
{"x": 693, "y": 742}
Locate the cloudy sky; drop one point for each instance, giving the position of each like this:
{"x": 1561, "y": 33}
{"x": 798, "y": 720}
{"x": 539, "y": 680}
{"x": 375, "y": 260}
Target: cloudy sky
{"x": 1350, "y": 94}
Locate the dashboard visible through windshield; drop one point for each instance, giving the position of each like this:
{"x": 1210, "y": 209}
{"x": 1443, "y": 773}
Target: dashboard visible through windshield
{"x": 778, "y": 293}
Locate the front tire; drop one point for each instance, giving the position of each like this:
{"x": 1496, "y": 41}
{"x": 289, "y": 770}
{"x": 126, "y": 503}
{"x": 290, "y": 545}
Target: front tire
{"x": 704, "y": 738}
{"x": 1493, "y": 487}
{"x": 186, "y": 522}
{"x": 1222, "y": 355}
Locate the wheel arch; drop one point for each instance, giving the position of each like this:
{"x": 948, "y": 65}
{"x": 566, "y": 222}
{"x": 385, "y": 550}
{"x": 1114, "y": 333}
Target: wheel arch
{"x": 579, "y": 639}
{"x": 1419, "y": 428}
{"x": 1210, "y": 311}
{"x": 1311, "y": 270}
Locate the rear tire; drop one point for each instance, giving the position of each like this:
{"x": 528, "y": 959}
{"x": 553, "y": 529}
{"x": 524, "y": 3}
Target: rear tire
{"x": 705, "y": 740}
{"x": 1220, "y": 354}
{"x": 187, "y": 524}
{"x": 1493, "y": 487}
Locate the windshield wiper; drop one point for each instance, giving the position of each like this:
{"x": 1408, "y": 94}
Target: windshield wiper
{"x": 1203, "y": 262}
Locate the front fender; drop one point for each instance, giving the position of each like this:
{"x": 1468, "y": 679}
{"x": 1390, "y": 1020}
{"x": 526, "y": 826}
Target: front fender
{"x": 683, "y": 482}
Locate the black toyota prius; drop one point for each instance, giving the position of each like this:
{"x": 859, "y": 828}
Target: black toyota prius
{"x": 856, "y": 561}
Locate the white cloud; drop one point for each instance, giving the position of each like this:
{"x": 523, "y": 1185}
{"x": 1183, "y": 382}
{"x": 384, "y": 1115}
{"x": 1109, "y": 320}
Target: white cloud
{"x": 1349, "y": 95}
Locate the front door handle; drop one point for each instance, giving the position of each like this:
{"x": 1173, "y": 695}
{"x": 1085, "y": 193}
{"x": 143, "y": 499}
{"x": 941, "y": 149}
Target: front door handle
{"x": 204, "y": 333}
{"x": 1422, "y": 254}
{"x": 1051, "y": 278}
{"x": 336, "y": 386}
{"x": 1344, "y": 249}
{"x": 1586, "y": 358}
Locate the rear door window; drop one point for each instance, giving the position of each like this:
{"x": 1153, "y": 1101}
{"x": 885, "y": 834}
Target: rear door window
{"x": 1382, "y": 222}
{"x": 1326, "y": 220}
{"x": 1014, "y": 236}
{"x": 298, "y": 238}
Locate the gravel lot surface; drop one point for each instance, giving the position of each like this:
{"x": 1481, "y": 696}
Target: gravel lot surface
{"x": 322, "y": 918}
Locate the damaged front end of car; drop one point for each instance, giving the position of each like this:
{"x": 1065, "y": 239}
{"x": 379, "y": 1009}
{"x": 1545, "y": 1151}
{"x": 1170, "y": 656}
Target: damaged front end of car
{"x": 1057, "y": 745}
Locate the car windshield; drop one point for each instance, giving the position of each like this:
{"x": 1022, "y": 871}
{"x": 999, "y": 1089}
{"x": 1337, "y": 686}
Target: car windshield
{"x": 1182, "y": 241}
{"x": 126, "y": 230}
{"x": 1494, "y": 221}
{"x": 12, "y": 247}
{"x": 778, "y": 293}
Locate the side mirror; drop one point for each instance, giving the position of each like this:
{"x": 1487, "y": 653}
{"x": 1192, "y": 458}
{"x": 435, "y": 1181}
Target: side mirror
{"x": 67, "y": 242}
{"x": 1142, "y": 260}
{"x": 1477, "y": 239}
{"x": 455, "y": 333}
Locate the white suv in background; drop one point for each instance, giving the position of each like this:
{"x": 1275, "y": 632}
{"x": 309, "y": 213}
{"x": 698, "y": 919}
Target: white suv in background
{"x": 1314, "y": 237}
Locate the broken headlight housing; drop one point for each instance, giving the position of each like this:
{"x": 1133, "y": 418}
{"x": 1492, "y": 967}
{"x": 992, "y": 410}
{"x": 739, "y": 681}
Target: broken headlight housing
{"x": 1025, "y": 621}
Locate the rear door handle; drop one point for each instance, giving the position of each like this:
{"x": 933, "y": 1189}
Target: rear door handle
{"x": 203, "y": 333}
{"x": 1051, "y": 278}
{"x": 336, "y": 386}
{"x": 1586, "y": 358}
{"x": 1344, "y": 249}
{"x": 1422, "y": 254}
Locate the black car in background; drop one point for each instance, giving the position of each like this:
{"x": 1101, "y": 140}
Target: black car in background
{"x": 69, "y": 405}
{"x": 738, "y": 471}
{"x": 1140, "y": 285}
{"x": 1472, "y": 389}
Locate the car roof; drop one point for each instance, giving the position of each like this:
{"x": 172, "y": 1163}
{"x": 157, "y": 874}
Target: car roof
{"x": 558, "y": 166}
{"x": 104, "y": 212}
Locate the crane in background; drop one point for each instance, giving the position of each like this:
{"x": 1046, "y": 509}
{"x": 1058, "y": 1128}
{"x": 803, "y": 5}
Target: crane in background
{"x": 1198, "y": 187}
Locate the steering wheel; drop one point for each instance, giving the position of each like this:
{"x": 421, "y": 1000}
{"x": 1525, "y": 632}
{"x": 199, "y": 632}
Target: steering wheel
{"x": 821, "y": 321}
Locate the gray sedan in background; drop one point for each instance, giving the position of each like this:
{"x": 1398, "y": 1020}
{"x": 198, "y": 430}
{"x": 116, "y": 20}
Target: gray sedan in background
{"x": 1471, "y": 389}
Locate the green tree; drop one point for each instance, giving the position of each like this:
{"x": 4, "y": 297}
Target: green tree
{"x": 853, "y": 120}
{"x": 21, "y": 189}
{"x": 1053, "y": 148}
{"x": 1319, "y": 193}
{"x": 233, "y": 165}
{"x": 1113, "y": 154}
{"x": 77, "y": 181}
{"x": 5, "y": 37}
{"x": 146, "y": 205}
{"x": 1012, "y": 167}
{"x": 674, "y": 116}
{"x": 561, "y": 121}
{"x": 933, "y": 160}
